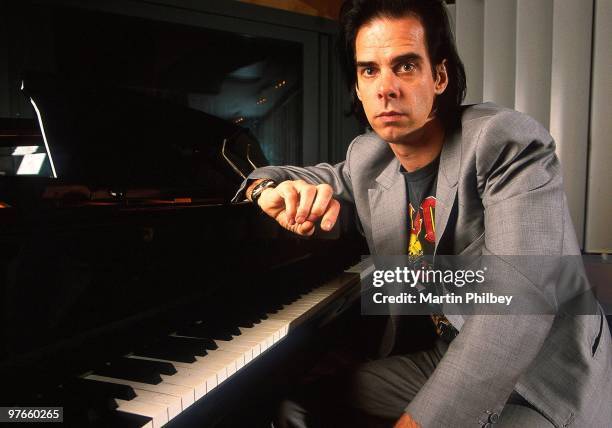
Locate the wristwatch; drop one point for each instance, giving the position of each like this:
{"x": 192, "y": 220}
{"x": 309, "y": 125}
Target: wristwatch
{"x": 258, "y": 190}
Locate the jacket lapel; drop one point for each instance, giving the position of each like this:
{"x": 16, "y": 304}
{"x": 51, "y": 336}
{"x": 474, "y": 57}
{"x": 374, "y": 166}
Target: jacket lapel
{"x": 446, "y": 189}
{"x": 388, "y": 207}
{"x": 389, "y": 210}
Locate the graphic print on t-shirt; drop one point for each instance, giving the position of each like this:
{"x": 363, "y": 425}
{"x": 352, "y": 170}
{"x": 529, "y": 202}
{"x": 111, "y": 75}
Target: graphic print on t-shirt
{"x": 422, "y": 228}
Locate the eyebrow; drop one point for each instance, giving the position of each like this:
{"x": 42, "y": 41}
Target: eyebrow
{"x": 414, "y": 57}
{"x": 411, "y": 56}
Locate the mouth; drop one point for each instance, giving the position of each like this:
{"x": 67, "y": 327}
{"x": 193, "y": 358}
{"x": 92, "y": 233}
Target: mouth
{"x": 389, "y": 113}
{"x": 389, "y": 116}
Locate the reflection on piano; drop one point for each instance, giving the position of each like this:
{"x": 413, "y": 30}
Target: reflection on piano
{"x": 133, "y": 293}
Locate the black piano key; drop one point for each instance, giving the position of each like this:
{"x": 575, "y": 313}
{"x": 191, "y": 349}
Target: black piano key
{"x": 84, "y": 404}
{"x": 125, "y": 420}
{"x": 193, "y": 346}
{"x": 196, "y": 342}
{"x": 244, "y": 322}
{"x": 217, "y": 329}
{"x": 160, "y": 366}
{"x": 131, "y": 369}
{"x": 100, "y": 388}
{"x": 165, "y": 354}
{"x": 232, "y": 320}
{"x": 272, "y": 307}
{"x": 204, "y": 331}
{"x": 252, "y": 312}
{"x": 244, "y": 316}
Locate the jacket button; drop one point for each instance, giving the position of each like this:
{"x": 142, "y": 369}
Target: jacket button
{"x": 493, "y": 418}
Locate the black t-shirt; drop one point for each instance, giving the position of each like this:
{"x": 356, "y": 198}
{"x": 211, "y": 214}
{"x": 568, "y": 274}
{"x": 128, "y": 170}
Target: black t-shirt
{"x": 421, "y": 191}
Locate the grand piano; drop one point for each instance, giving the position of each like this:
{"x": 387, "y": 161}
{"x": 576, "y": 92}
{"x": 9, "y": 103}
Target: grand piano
{"x": 133, "y": 293}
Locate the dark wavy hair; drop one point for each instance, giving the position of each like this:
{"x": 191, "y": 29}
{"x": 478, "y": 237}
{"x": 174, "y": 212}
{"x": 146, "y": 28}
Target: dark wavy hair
{"x": 440, "y": 46}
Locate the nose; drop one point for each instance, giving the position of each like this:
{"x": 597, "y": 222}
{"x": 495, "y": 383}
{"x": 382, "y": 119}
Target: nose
{"x": 388, "y": 86}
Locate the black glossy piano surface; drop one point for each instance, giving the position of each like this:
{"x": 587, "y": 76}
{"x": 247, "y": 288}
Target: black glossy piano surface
{"x": 123, "y": 258}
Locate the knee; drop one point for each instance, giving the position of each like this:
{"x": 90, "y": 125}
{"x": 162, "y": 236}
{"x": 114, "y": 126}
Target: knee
{"x": 290, "y": 414}
{"x": 364, "y": 388}
{"x": 373, "y": 392}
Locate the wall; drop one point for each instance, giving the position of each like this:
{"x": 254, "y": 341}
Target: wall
{"x": 551, "y": 60}
{"x": 323, "y": 8}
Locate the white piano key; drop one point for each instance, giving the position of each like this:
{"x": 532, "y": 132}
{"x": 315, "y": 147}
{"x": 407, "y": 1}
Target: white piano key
{"x": 232, "y": 361}
{"x": 172, "y": 403}
{"x": 206, "y": 375}
{"x": 258, "y": 343}
{"x": 262, "y": 338}
{"x": 267, "y": 332}
{"x": 266, "y": 340}
{"x": 238, "y": 347}
{"x": 198, "y": 384}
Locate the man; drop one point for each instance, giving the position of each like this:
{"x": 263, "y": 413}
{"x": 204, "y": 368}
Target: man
{"x": 476, "y": 172}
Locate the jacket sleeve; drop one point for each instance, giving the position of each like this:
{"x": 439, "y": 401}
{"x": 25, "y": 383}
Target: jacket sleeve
{"x": 338, "y": 176}
{"x": 525, "y": 213}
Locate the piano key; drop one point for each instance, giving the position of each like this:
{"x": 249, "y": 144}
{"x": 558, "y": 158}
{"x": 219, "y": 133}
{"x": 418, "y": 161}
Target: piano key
{"x": 197, "y": 383}
{"x": 216, "y": 329}
{"x": 273, "y": 329}
{"x": 204, "y": 376}
{"x": 125, "y": 368}
{"x": 166, "y": 354}
{"x": 195, "y": 342}
{"x": 186, "y": 346}
{"x": 172, "y": 403}
{"x": 204, "y": 331}
{"x": 157, "y": 412}
{"x": 161, "y": 367}
{"x": 200, "y": 381}
{"x": 128, "y": 420}
{"x": 243, "y": 322}
{"x": 261, "y": 324}
{"x": 239, "y": 348}
{"x": 84, "y": 387}
{"x": 220, "y": 370}
{"x": 186, "y": 394}
{"x": 233, "y": 361}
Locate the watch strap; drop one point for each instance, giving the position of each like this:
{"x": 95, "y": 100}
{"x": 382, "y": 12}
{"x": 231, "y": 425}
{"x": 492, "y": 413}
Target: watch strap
{"x": 260, "y": 187}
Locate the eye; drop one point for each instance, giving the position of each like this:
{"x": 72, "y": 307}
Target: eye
{"x": 367, "y": 70}
{"x": 407, "y": 68}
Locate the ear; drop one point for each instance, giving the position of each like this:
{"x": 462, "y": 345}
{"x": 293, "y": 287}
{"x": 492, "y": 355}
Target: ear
{"x": 441, "y": 78}
{"x": 357, "y": 92}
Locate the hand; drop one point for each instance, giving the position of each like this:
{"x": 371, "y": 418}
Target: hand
{"x": 406, "y": 421}
{"x": 297, "y": 205}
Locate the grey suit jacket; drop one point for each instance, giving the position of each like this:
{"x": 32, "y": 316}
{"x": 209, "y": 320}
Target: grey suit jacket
{"x": 499, "y": 166}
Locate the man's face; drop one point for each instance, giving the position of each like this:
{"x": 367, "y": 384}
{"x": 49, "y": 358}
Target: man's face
{"x": 395, "y": 82}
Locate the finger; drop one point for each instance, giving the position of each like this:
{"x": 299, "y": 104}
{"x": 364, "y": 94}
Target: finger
{"x": 307, "y": 193}
{"x": 290, "y": 196}
{"x": 331, "y": 215}
{"x": 319, "y": 206}
{"x": 306, "y": 229}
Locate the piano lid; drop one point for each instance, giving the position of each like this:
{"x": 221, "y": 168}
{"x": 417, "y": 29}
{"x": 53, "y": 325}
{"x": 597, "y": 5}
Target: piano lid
{"x": 100, "y": 136}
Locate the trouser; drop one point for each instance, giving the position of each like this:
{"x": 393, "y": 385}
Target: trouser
{"x": 376, "y": 393}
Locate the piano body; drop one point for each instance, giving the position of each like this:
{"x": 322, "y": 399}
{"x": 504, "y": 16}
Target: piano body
{"x": 133, "y": 293}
